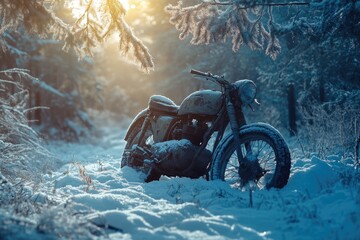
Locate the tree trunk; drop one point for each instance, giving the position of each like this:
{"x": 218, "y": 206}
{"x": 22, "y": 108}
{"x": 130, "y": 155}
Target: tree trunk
{"x": 321, "y": 90}
{"x": 292, "y": 109}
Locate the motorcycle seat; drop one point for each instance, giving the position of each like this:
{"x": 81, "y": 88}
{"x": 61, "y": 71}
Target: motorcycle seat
{"x": 160, "y": 103}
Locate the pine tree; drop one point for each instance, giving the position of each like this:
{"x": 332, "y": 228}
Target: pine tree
{"x": 243, "y": 21}
{"x": 56, "y": 80}
{"x": 100, "y": 19}
{"x": 321, "y": 59}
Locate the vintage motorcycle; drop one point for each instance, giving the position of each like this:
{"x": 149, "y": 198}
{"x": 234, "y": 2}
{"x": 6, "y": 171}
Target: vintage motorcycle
{"x": 171, "y": 140}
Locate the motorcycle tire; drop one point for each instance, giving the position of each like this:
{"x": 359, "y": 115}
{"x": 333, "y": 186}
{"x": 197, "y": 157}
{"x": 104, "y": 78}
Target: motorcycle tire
{"x": 269, "y": 148}
{"x": 133, "y": 139}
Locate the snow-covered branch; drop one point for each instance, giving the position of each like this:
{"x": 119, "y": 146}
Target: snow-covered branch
{"x": 215, "y": 21}
{"x": 128, "y": 41}
{"x": 91, "y": 28}
{"x": 16, "y": 74}
{"x": 250, "y": 4}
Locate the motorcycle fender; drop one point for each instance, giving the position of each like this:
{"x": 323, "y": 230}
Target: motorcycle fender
{"x": 139, "y": 117}
{"x": 161, "y": 126}
{"x": 243, "y": 130}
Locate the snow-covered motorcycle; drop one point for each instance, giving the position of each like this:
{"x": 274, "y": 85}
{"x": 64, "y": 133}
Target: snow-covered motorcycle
{"x": 166, "y": 139}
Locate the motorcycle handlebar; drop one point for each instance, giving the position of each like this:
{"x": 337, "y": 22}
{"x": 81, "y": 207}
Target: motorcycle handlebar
{"x": 209, "y": 76}
{"x": 193, "y": 71}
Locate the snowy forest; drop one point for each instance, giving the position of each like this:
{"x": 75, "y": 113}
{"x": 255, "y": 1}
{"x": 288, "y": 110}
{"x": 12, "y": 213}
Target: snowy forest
{"x": 74, "y": 74}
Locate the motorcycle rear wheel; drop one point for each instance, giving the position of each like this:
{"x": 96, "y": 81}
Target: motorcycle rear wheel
{"x": 267, "y": 147}
{"x": 133, "y": 139}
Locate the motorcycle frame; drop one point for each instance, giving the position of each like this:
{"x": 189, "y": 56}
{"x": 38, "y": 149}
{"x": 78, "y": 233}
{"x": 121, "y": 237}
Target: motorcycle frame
{"x": 230, "y": 113}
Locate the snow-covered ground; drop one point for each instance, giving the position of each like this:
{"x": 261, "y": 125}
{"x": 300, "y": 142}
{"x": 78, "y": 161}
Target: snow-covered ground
{"x": 316, "y": 204}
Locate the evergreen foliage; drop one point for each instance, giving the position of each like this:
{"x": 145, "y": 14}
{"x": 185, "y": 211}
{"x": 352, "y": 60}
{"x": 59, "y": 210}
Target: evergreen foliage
{"x": 318, "y": 40}
{"x": 321, "y": 59}
{"x": 242, "y": 21}
{"x": 45, "y": 88}
{"x": 99, "y": 20}
{"x": 60, "y": 82}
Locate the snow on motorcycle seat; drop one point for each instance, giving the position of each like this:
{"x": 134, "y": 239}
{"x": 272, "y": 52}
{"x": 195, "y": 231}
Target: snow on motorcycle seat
{"x": 162, "y": 104}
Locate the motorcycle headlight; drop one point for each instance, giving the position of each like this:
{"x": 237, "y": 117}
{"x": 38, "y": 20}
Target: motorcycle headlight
{"x": 246, "y": 91}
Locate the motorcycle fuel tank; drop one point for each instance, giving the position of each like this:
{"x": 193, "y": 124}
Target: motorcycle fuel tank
{"x": 204, "y": 102}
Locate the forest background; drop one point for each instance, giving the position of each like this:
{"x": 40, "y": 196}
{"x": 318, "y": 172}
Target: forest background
{"x": 63, "y": 62}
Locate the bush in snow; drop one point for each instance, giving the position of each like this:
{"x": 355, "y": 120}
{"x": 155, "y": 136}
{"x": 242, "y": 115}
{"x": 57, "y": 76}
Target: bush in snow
{"x": 351, "y": 179}
{"x": 22, "y": 155}
{"x": 63, "y": 222}
{"x": 332, "y": 127}
{"x": 17, "y": 198}
{"x": 36, "y": 214}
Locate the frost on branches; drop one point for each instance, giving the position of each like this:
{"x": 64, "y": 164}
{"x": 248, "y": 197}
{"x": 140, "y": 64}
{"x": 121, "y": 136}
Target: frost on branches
{"x": 20, "y": 149}
{"x": 241, "y": 20}
{"x": 102, "y": 18}
{"x": 98, "y": 21}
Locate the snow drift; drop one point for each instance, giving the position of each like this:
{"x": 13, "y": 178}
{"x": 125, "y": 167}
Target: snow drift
{"x": 95, "y": 199}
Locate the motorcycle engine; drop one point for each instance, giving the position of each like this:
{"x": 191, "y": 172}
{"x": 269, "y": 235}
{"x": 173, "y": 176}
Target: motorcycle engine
{"x": 176, "y": 158}
{"x": 193, "y": 130}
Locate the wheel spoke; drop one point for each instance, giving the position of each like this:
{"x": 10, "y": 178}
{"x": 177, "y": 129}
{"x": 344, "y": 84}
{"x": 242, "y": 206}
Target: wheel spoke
{"x": 268, "y": 158}
{"x": 265, "y": 147}
{"x": 235, "y": 166}
{"x": 268, "y": 154}
{"x": 231, "y": 172}
{"x": 262, "y": 147}
{"x": 257, "y": 150}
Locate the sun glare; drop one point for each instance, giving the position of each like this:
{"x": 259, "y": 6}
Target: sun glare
{"x": 78, "y": 7}
{"x": 125, "y": 4}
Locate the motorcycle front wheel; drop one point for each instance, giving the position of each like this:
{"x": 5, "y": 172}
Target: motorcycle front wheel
{"x": 261, "y": 143}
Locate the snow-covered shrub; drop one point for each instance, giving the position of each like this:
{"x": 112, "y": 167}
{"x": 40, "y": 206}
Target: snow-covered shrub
{"x": 7, "y": 193}
{"x": 64, "y": 222}
{"x": 22, "y": 155}
{"x": 27, "y": 213}
{"x": 331, "y": 127}
{"x": 351, "y": 179}
{"x": 17, "y": 198}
